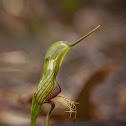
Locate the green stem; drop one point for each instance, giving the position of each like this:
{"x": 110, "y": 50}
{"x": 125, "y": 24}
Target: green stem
{"x": 48, "y": 115}
{"x": 84, "y": 36}
{"x": 33, "y": 122}
{"x": 35, "y": 110}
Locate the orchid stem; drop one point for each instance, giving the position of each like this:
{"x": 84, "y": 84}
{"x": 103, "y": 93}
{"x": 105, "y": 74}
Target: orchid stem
{"x": 48, "y": 114}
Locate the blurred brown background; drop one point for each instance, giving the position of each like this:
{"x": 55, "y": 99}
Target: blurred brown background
{"x": 93, "y": 73}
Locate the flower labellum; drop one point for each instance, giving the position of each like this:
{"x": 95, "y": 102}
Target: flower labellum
{"x": 48, "y": 89}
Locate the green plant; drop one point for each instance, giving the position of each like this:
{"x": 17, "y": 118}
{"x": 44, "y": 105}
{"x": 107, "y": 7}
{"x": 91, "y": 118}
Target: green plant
{"x": 48, "y": 88}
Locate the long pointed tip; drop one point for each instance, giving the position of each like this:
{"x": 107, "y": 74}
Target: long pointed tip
{"x": 84, "y": 36}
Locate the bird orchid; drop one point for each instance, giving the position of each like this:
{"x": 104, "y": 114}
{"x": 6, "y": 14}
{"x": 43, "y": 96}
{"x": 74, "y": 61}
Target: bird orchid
{"x": 48, "y": 89}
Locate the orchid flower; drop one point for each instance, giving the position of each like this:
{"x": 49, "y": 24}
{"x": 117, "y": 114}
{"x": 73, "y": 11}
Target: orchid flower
{"x": 48, "y": 89}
